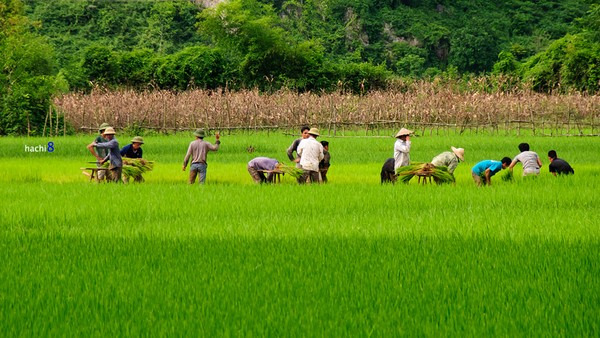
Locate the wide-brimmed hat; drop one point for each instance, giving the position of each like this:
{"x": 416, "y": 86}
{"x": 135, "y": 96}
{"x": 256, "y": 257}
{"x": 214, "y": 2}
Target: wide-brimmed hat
{"x": 138, "y": 139}
{"x": 403, "y": 132}
{"x": 103, "y": 126}
{"x": 109, "y": 131}
{"x": 200, "y": 133}
{"x": 460, "y": 152}
{"x": 314, "y": 131}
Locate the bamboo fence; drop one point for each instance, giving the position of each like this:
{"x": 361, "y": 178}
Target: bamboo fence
{"x": 427, "y": 109}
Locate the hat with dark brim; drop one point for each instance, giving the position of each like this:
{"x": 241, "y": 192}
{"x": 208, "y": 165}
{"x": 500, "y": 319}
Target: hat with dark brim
{"x": 199, "y": 133}
{"x": 103, "y": 126}
{"x": 138, "y": 139}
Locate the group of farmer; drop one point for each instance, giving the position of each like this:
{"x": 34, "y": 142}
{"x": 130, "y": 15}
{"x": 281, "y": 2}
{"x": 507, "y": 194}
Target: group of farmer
{"x": 106, "y": 147}
{"x": 482, "y": 172}
{"x": 312, "y": 158}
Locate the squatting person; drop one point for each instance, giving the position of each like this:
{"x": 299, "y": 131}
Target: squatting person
{"x": 558, "y": 165}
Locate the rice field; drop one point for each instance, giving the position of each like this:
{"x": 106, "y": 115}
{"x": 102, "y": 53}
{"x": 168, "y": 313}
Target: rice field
{"x": 350, "y": 258}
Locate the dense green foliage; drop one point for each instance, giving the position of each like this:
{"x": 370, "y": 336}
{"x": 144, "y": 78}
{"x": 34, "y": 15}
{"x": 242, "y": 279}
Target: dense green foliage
{"x": 571, "y": 62}
{"x": 312, "y": 45}
{"x": 304, "y": 45}
{"x": 349, "y": 258}
{"x": 28, "y": 73}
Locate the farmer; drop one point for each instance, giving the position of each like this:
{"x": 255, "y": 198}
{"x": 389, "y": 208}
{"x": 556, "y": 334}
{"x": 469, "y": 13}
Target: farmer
{"x": 388, "y": 175}
{"x": 488, "y": 168}
{"x": 559, "y": 166}
{"x": 402, "y": 148}
{"x": 257, "y": 164}
{"x": 449, "y": 159}
{"x": 197, "y": 152}
{"x": 100, "y": 154}
{"x": 294, "y": 147}
{"x": 114, "y": 155}
{"x": 134, "y": 149}
{"x": 325, "y": 162}
{"x": 311, "y": 153}
{"x": 531, "y": 160}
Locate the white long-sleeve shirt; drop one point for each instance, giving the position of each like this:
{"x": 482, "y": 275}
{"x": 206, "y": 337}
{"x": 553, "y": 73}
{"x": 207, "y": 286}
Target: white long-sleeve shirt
{"x": 311, "y": 153}
{"x": 401, "y": 153}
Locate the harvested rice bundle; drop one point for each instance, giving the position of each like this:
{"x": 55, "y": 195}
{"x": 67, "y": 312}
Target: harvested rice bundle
{"x": 440, "y": 174}
{"x": 290, "y": 170}
{"x": 136, "y": 167}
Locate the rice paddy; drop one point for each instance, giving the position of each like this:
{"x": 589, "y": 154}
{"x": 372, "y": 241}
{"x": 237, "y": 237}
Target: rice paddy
{"x": 349, "y": 258}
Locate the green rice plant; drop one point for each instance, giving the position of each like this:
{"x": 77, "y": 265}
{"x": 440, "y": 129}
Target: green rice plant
{"x": 507, "y": 176}
{"x": 134, "y": 167}
{"x": 290, "y": 170}
{"x": 350, "y": 258}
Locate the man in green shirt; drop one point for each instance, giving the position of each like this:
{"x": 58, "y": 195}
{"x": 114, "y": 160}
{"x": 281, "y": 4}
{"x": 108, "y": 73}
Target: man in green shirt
{"x": 100, "y": 153}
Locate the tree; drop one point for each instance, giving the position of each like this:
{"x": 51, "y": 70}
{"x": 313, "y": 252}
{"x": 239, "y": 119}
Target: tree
{"x": 250, "y": 31}
{"x": 169, "y": 26}
{"x": 27, "y": 73}
{"x": 473, "y": 48}
{"x": 100, "y": 64}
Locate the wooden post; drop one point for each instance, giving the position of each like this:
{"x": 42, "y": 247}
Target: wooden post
{"x": 56, "y": 127}
{"x": 45, "y": 122}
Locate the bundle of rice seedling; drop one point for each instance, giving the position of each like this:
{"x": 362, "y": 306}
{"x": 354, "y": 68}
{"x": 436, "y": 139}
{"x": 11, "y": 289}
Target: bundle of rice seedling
{"x": 136, "y": 167}
{"x": 290, "y": 170}
{"x": 440, "y": 174}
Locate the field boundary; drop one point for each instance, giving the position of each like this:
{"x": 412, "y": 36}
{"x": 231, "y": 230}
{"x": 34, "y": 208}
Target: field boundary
{"x": 426, "y": 111}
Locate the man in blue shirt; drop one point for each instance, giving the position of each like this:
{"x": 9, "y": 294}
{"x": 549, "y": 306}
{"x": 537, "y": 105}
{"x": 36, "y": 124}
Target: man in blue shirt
{"x": 488, "y": 168}
{"x": 134, "y": 149}
{"x": 114, "y": 154}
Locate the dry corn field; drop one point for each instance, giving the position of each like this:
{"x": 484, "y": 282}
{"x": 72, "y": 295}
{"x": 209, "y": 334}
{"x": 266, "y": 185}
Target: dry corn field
{"x": 426, "y": 108}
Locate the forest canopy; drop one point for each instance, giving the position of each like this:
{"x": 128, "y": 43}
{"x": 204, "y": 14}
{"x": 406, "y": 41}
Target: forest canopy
{"x": 50, "y": 46}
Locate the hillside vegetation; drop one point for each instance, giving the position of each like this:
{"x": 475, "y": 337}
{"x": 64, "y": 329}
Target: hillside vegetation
{"x": 50, "y": 47}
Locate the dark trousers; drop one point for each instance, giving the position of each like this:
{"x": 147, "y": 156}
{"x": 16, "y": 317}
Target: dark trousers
{"x": 115, "y": 174}
{"x": 309, "y": 176}
{"x": 388, "y": 174}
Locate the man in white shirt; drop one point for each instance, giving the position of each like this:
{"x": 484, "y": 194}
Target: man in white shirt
{"x": 531, "y": 161}
{"x": 311, "y": 153}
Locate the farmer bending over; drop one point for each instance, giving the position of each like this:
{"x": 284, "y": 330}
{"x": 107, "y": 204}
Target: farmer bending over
{"x": 484, "y": 170}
